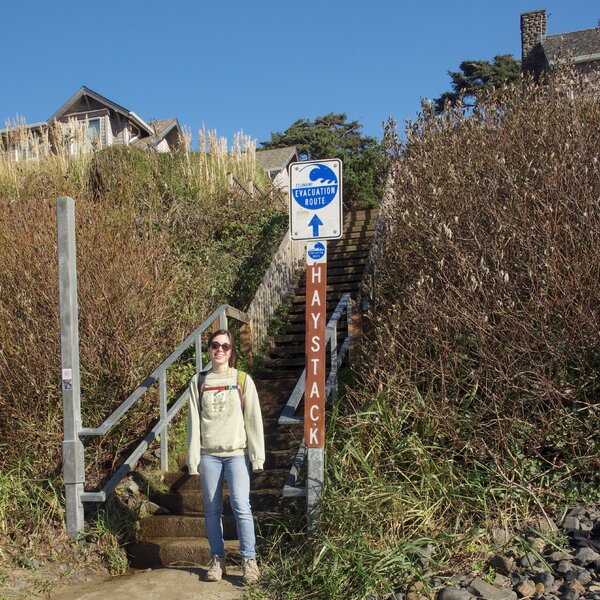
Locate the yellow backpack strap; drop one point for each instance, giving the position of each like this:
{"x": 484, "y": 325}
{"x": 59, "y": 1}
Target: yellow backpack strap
{"x": 241, "y": 381}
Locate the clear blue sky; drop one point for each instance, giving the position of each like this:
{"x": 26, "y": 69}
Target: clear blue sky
{"x": 256, "y": 66}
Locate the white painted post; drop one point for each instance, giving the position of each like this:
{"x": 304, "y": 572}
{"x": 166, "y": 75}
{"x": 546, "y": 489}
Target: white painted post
{"x": 73, "y": 453}
{"x": 164, "y": 434}
{"x": 199, "y": 366}
{"x": 314, "y": 484}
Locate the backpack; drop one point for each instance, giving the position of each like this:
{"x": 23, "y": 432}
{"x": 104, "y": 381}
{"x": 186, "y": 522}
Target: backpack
{"x": 239, "y": 385}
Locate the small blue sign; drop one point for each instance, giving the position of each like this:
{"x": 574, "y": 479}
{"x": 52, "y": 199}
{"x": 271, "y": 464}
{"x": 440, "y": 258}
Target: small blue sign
{"x": 317, "y": 251}
{"x": 320, "y": 189}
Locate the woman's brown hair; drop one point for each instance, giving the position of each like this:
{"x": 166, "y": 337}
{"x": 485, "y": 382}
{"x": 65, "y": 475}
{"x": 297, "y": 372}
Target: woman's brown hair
{"x": 233, "y": 355}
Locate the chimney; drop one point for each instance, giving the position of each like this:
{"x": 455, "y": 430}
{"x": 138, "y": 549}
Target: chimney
{"x": 533, "y": 31}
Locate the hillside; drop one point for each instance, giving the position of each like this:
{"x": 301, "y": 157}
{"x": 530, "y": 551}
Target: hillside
{"x": 474, "y": 408}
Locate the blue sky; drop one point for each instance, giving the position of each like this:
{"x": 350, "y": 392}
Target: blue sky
{"x": 256, "y": 66}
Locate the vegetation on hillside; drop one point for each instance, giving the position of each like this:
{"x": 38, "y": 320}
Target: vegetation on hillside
{"x": 161, "y": 243}
{"x": 333, "y": 136}
{"x": 476, "y": 404}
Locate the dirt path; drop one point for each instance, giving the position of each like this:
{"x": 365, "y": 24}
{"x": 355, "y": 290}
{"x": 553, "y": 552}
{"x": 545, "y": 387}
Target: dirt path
{"x": 157, "y": 584}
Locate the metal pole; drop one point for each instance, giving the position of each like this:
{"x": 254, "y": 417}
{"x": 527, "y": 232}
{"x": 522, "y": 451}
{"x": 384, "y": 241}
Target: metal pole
{"x": 73, "y": 454}
{"x": 223, "y": 320}
{"x": 314, "y": 485}
{"x": 199, "y": 354}
{"x": 164, "y": 434}
{"x": 333, "y": 358}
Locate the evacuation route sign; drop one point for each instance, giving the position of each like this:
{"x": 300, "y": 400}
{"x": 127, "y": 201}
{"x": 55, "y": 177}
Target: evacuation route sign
{"x": 314, "y": 386}
{"x": 316, "y": 199}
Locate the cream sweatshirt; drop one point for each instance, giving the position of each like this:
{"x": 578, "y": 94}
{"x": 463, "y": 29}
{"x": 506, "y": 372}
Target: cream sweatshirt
{"x": 217, "y": 425}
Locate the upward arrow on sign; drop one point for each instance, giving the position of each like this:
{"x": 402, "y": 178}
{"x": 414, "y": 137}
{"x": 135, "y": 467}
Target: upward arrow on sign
{"x": 315, "y": 223}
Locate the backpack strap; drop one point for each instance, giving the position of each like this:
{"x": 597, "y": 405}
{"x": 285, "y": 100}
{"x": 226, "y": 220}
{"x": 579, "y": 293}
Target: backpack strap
{"x": 241, "y": 382}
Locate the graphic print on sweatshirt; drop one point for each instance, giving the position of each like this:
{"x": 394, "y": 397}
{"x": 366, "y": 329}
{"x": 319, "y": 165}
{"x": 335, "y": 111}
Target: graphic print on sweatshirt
{"x": 217, "y": 404}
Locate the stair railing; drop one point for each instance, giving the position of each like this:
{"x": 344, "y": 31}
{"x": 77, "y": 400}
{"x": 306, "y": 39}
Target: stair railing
{"x": 314, "y": 457}
{"x": 73, "y": 450}
{"x": 166, "y": 414}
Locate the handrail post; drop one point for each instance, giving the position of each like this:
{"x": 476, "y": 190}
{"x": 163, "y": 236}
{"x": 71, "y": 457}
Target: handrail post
{"x": 199, "y": 365}
{"x": 164, "y": 434}
{"x": 315, "y": 476}
{"x": 223, "y": 320}
{"x": 333, "y": 358}
{"x": 73, "y": 453}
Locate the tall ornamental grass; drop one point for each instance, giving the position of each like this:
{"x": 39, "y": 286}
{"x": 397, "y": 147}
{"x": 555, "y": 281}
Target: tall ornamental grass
{"x": 476, "y": 405}
{"x": 161, "y": 242}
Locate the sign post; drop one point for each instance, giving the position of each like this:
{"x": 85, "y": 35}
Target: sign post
{"x": 315, "y": 216}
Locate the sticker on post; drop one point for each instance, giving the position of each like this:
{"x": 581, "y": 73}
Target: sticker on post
{"x": 316, "y": 253}
{"x": 67, "y": 379}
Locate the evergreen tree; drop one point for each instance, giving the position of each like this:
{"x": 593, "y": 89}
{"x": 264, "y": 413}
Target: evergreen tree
{"x": 332, "y": 136}
{"x": 476, "y": 77}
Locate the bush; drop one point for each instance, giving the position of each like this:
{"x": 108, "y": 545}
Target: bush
{"x": 153, "y": 262}
{"x": 476, "y": 404}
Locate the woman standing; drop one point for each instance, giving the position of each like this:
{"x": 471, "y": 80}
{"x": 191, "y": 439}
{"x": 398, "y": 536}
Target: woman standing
{"x": 225, "y": 437}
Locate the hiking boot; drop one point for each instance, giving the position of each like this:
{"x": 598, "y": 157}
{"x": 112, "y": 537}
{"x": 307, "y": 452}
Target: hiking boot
{"x": 216, "y": 569}
{"x": 250, "y": 569}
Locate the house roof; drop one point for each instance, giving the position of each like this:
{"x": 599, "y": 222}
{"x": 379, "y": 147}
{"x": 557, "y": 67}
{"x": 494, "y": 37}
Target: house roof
{"x": 84, "y": 91}
{"x": 581, "y": 45}
{"x": 160, "y": 129}
{"x": 276, "y": 159}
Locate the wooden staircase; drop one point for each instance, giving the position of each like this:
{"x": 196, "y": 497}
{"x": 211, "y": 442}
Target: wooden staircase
{"x": 179, "y": 538}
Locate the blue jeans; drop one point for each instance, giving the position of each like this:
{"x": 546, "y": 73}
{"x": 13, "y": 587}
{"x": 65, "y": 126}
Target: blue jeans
{"x": 236, "y": 469}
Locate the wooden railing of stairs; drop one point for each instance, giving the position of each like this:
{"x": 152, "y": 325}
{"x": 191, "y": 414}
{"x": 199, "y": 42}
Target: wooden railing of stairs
{"x": 179, "y": 538}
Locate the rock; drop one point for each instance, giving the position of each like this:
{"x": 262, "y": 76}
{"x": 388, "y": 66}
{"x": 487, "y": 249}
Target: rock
{"x": 540, "y": 588}
{"x": 594, "y": 587}
{"x": 155, "y": 509}
{"x": 578, "y": 586}
{"x": 571, "y": 523}
{"x": 526, "y": 589}
{"x": 454, "y": 593}
{"x": 558, "y": 556}
{"x": 501, "y": 536}
{"x": 502, "y": 564}
{"x": 585, "y": 557}
{"x": 538, "y": 544}
{"x": 564, "y": 566}
{"x": 578, "y": 574}
{"x": 546, "y": 579}
{"x": 502, "y": 581}
{"x": 132, "y": 488}
{"x": 529, "y": 560}
{"x": 484, "y": 590}
{"x": 570, "y": 594}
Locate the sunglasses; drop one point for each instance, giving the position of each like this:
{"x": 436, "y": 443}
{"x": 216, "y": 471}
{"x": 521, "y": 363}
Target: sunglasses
{"x": 215, "y": 346}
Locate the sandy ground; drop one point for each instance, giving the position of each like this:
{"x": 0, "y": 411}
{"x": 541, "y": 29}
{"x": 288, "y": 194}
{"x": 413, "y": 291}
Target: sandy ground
{"x": 157, "y": 584}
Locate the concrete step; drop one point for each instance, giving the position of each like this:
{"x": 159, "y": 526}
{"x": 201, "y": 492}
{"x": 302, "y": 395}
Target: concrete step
{"x": 164, "y": 552}
{"x": 182, "y": 526}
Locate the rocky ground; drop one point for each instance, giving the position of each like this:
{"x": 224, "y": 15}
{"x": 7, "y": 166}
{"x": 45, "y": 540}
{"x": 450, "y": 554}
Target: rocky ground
{"x": 545, "y": 572}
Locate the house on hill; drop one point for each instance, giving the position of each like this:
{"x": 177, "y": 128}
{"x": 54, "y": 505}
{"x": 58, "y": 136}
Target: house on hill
{"x": 275, "y": 162}
{"x": 540, "y": 51}
{"x": 105, "y": 123}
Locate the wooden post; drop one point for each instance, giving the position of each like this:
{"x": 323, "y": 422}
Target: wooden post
{"x": 314, "y": 388}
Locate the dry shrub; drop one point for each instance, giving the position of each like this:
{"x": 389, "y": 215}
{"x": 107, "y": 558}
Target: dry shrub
{"x": 152, "y": 264}
{"x": 488, "y": 297}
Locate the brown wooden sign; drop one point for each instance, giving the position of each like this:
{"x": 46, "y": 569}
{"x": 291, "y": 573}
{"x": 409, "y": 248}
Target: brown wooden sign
{"x": 314, "y": 389}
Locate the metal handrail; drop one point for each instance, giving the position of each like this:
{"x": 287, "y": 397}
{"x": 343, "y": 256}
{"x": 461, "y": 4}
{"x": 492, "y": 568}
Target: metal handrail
{"x": 290, "y": 489}
{"x": 166, "y": 414}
